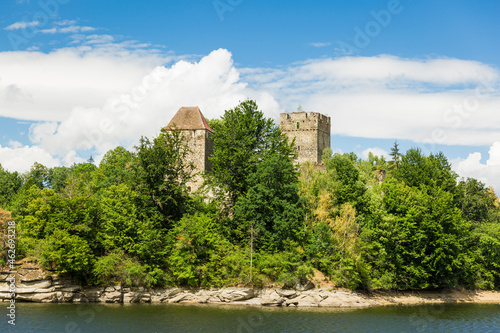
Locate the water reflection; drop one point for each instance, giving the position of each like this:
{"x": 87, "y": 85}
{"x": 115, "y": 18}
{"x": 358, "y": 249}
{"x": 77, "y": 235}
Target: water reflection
{"x": 144, "y": 318}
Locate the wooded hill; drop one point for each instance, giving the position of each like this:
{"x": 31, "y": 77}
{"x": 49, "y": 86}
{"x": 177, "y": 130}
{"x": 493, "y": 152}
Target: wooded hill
{"x": 407, "y": 223}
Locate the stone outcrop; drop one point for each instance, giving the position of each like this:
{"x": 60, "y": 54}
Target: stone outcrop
{"x": 34, "y": 285}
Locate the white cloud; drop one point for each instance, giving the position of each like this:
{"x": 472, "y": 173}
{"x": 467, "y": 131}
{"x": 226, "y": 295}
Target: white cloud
{"x": 41, "y": 131}
{"x": 67, "y": 29}
{"x": 494, "y": 152}
{"x": 46, "y": 87}
{"x": 319, "y": 44}
{"x": 15, "y": 144}
{"x": 22, "y": 25}
{"x": 21, "y": 159}
{"x": 65, "y": 22}
{"x": 436, "y": 101}
{"x": 48, "y": 31}
{"x": 488, "y": 173}
{"x": 115, "y": 105}
{"x": 99, "y": 39}
{"x": 376, "y": 152}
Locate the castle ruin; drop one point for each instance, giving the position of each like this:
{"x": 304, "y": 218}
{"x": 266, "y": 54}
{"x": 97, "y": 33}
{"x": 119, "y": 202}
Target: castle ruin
{"x": 311, "y": 131}
{"x": 197, "y": 135}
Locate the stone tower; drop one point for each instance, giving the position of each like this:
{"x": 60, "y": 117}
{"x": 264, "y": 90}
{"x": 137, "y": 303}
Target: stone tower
{"x": 198, "y": 135}
{"x": 311, "y": 131}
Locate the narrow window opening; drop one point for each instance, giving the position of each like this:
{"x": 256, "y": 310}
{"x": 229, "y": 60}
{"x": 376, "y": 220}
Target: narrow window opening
{"x": 298, "y": 125}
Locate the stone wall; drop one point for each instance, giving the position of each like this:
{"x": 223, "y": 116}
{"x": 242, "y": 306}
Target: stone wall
{"x": 201, "y": 146}
{"x": 311, "y": 131}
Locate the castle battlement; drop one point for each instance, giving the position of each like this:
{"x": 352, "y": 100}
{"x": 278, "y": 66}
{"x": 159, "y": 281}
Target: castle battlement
{"x": 311, "y": 131}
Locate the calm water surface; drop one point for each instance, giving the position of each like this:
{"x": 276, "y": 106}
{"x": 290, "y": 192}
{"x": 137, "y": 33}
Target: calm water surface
{"x": 144, "y": 318}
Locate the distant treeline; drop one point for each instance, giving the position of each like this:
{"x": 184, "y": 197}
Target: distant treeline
{"x": 406, "y": 223}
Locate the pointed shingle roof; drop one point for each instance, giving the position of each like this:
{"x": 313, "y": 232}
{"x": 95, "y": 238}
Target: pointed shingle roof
{"x": 188, "y": 118}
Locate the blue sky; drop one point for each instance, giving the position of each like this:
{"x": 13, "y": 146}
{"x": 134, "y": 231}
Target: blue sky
{"x": 74, "y": 73}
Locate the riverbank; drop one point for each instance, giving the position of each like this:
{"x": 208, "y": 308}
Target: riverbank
{"x": 58, "y": 291}
{"x": 35, "y": 285}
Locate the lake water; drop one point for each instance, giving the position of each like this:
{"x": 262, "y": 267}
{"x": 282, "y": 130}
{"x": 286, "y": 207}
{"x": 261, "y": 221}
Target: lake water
{"x": 144, "y": 318}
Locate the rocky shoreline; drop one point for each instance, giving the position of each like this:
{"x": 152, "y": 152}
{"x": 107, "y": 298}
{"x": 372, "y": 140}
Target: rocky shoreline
{"x": 34, "y": 285}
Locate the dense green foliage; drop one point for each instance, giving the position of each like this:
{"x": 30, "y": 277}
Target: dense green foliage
{"x": 407, "y": 223}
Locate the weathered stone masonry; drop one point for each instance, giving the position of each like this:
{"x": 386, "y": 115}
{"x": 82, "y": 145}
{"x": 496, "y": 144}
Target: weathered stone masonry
{"x": 198, "y": 135}
{"x": 311, "y": 131}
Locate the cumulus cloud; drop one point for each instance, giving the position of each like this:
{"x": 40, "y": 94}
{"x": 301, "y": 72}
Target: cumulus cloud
{"x": 131, "y": 105}
{"x": 21, "y": 159}
{"x": 432, "y": 101}
{"x": 488, "y": 173}
{"x": 15, "y": 144}
{"x": 46, "y": 87}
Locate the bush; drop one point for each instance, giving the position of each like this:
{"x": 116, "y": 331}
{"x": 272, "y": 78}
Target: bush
{"x": 117, "y": 268}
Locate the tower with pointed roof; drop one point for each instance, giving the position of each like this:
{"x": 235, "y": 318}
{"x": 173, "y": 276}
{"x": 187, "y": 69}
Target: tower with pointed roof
{"x": 198, "y": 136}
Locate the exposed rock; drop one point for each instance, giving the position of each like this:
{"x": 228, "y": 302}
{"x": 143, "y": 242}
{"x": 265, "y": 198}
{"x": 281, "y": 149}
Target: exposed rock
{"x": 4, "y": 275}
{"x": 172, "y": 292}
{"x": 93, "y": 294}
{"x": 331, "y": 302}
{"x": 272, "y": 301}
{"x": 286, "y": 293}
{"x": 137, "y": 297}
{"x": 179, "y": 298}
{"x": 236, "y": 294}
{"x": 37, "y": 284}
{"x": 70, "y": 289}
{"x": 64, "y": 297}
{"x": 304, "y": 287}
{"x": 4, "y": 287}
{"x": 306, "y": 301}
{"x": 80, "y": 298}
{"x": 111, "y": 297}
{"x": 38, "y": 297}
{"x": 35, "y": 290}
{"x": 32, "y": 275}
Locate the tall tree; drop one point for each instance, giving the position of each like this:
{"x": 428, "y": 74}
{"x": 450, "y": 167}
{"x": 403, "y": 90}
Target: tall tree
{"x": 242, "y": 139}
{"x": 38, "y": 175}
{"x": 116, "y": 165}
{"x": 272, "y": 207}
{"x": 474, "y": 200}
{"x": 10, "y": 183}
{"x": 396, "y": 156}
{"x": 163, "y": 171}
{"x": 433, "y": 171}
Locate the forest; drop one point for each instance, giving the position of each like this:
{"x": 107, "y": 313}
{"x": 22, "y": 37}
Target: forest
{"x": 406, "y": 223}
